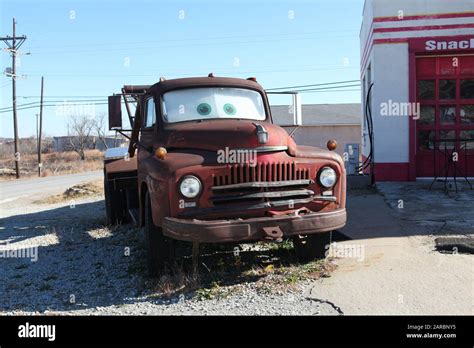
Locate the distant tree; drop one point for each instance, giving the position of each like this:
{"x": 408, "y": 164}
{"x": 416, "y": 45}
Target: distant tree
{"x": 99, "y": 128}
{"x": 79, "y": 134}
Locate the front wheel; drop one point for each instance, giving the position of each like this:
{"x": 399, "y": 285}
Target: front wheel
{"x": 160, "y": 249}
{"x": 114, "y": 208}
{"x": 311, "y": 246}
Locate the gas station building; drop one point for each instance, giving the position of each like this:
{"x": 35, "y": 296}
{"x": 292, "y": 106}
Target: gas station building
{"x": 419, "y": 56}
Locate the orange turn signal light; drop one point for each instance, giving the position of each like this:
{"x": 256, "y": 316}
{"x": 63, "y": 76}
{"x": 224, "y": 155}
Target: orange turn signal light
{"x": 332, "y": 145}
{"x": 161, "y": 152}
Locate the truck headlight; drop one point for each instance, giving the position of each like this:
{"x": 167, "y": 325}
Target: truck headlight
{"x": 327, "y": 177}
{"x": 190, "y": 186}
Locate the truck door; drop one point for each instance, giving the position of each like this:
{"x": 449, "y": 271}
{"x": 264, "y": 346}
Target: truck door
{"x": 148, "y": 128}
{"x": 148, "y": 131}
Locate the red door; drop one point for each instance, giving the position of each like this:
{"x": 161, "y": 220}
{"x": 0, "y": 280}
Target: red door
{"x": 445, "y": 91}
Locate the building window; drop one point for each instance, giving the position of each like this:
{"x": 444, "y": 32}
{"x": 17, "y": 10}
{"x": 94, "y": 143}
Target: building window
{"x": 468, "y": 135}
{"x": 467, "y": 89}
{"x": 467, "y": 114}
{"x": 426, "y": 89}
{"x": 447, "y": 114}
{"x": 425, "y": 139}
{"x": 447, "y": 135}
{"x": 447, "y": 89}
{"x": 427, "y": 114}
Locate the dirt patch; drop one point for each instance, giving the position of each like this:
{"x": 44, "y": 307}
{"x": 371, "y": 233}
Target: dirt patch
{"x": 89, "y": 189}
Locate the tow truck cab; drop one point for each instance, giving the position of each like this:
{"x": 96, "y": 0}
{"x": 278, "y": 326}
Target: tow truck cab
{"x": 206, "y": 164}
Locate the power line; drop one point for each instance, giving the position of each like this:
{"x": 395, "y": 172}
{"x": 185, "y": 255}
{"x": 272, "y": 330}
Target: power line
{"x": 313, "y": 85}
{"x": 207, "y": 38}
{"x": 36, "y": 103}
{"x": 105, "y": 102}
{"x": 101, "y": 100}
{"x": 334, "y": 90}
{"x": 64, "y": 96}
{"x": 268, "y": 89}
{"x": 148, "y": 47}
{"x": 218, "y": 72}
{"x": 325, "y": 88}
{"x": 193, "y": 69}
{"x": 54, "y": 105}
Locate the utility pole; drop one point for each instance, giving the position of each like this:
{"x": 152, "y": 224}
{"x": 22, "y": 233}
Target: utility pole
{"x": 14, "y": 42}
{"x": 40, "y": 165}
{"x": 37, "y": 131}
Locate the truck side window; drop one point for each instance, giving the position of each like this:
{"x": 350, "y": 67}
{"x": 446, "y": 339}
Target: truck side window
{"x": 150, "y": 117}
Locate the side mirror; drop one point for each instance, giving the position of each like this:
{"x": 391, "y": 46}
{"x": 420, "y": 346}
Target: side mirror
{"x": 297, "y": 114}
{"x": 115, "y": 112}
{"x": 287, "y": 115}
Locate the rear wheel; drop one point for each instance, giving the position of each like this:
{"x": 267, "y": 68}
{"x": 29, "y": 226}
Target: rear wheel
{"x": 311, "y": 246}
{"x": 160, "y": 249}
{"x": 113, "y": 204}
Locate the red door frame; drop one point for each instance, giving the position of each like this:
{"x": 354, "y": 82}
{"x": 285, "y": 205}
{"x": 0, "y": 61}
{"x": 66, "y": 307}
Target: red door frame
{"x": 416, "y": 46}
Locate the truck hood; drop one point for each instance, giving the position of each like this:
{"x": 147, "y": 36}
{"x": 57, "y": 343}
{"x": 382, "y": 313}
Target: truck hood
{"x": 216, "y": 135}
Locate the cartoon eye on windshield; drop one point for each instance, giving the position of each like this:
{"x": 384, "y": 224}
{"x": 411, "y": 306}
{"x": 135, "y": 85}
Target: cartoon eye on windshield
{"x": 204, "y": 109}
{"x": 230, "y": 109}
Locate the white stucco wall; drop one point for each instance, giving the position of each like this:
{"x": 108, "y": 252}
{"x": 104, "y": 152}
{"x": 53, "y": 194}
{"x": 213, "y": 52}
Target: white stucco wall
{"x": 390, "y": 73}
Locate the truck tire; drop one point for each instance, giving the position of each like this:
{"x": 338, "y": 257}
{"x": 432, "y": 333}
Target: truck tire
{"x": 311, "y": 246}
{"x": 160, "y": 249}
{"x": 113, "y": 205}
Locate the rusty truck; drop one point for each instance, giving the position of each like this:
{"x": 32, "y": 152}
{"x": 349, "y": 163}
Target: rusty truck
{"x": 206, "y": 164}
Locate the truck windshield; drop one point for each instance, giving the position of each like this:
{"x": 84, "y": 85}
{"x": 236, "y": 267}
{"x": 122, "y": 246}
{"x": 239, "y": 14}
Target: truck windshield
{"x": 210, "y": 103}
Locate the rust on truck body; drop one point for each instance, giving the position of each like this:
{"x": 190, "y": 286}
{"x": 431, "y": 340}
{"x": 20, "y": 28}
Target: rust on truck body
{"x": 279, "y": 196}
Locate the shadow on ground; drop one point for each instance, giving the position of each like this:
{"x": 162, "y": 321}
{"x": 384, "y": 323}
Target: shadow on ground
{"x": 83, "y": 264}
{"x": 408, "y": 209}
{"x": 80, "y": 264}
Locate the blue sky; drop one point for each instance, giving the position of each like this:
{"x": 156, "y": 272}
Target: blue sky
{"x": 92, "y": 48}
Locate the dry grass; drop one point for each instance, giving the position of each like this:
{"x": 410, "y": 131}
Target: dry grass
{"x": 268, "y": 269}
{"x": 89, "y": 189}
{"x": 54, "y": 163}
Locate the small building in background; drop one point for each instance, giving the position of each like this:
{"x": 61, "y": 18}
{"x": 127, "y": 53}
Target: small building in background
{"x": 322, "y": 122}
{"x": 63, "y": 143}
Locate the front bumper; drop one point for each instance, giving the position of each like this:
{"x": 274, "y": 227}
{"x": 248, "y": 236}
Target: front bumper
{"x": 217, "y": 231}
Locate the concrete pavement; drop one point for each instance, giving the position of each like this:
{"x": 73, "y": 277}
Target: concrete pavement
{"x": 399, "y": 271}
{"x": 12, "y": 190}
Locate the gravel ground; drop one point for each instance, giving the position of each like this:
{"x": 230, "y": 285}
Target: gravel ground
{"x": 85, "y": 268}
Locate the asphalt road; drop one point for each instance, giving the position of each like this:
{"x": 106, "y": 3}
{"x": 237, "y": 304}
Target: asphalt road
{"x": 14, "y": 189}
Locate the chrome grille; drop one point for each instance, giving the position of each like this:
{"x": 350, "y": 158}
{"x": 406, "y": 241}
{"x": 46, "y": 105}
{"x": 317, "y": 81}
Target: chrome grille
{"x": 242, "y": 173}
{"x": 265, "y": 182}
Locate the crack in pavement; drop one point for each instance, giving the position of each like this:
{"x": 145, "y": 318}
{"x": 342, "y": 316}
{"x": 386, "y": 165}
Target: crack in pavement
{"x": 336, "y": 308}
